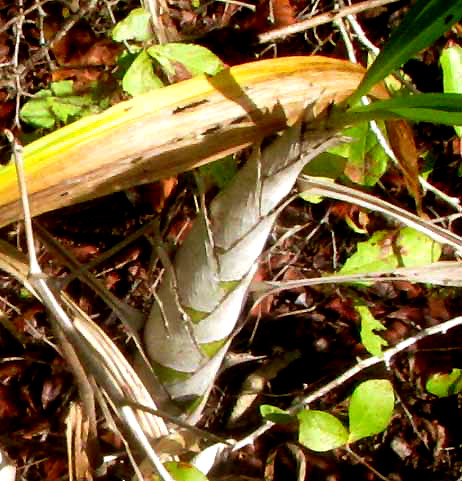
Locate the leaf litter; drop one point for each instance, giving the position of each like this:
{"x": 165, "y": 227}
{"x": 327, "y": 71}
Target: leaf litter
{"x": 319, "y": 322}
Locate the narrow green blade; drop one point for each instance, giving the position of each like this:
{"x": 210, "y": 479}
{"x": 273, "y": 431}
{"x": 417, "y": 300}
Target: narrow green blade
{"x": 435, "y": 108}
{"x": 425, "y": 22}
{"x": 451, "y": 64}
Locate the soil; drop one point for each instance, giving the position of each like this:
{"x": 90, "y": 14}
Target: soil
{"x": 320, "y": 324}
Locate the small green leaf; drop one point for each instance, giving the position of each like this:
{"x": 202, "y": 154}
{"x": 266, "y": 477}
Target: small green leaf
{"x": 135, "y": 26}
{"x": 425, "y": 22}
{"x": 436, "y": 108}
{"x": 451, "y": 63}
{"x": 444, "y": 385}
{"x": 328, "y": 165}
{"x": 371, "y": 408}
{"x": 62, "y": 88}
{"x": 195, "y": 58}
{"x": 140, "y": 77}
{"x": 275, "y": 414}
{"x": 183, "y": 472}
{"x": 320, "y": 431}
{"x": 384, "y": 252}
{"x": 37, "y": 112}
{"x": 366, "y": 161}
{"x": 220, "y": 172}
{"x": 57, "y": 104}
{"x": 371, "y": 341}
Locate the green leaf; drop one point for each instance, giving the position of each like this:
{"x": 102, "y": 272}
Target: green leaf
{"x": 444, "y": 385}
{"x": 436, "y": 108}
{"x": 451, "y": 63}
{"x": 135, "y": 26}
{"x": 383, "y": 252}
{"x": 195, "y": 58}
{"x": 275, "y": 414}
{"x": 371, "y": 408}
{"x": 63, "y": 88}
{"x": 425, "y": 22}
{"x": 57, "y": 104}
{"x": 140, "y": 77}
{"x": 320, "y": 431}
{"x": 183, "y": 472}
{"x": 371, "y": 341}
{"x": 366, "y": 161}
{"x": 221, "y": 171}
{"x": 327, "y": 165}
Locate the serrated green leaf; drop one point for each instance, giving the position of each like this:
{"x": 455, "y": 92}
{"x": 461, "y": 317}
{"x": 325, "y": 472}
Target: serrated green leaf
{"x": 436, "y": 108}
{"x": 135, "y": 26}
{"x": 444, "y": 385}
{"x": 195, "y": 58}
{"x": 425, "y": 22}
{"x": 275, "y": 414}
{"x": 57, "y": 104}
{"x": 140, "y": 77}
{"x": 384, "y": 252}
{"x": 371, "y": 408}
{"x": 369, "y": 324}
{"x": 62, "y": 88}
{"x": 451, "y": 63}
{"x": 320, "y": 431}
{"x": 37, "y": 112}
{"x": 64, "y": 110}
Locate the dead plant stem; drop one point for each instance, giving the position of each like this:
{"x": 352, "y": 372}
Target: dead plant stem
{"x": 323, "y": 18}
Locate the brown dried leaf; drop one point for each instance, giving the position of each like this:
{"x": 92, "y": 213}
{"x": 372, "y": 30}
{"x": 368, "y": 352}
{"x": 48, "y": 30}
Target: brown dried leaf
{"x": 283, "y": 13}
{"x": 158, "y": 192}
{"x": 402, "y": 142}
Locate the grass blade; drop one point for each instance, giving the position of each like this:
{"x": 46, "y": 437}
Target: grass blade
{"x": 425, "y": 22}
{"x": 435, "y": 108}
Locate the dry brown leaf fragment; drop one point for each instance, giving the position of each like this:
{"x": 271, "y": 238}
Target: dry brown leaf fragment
{"x": 401, "y": 138}
{"x": 283, "y": 13}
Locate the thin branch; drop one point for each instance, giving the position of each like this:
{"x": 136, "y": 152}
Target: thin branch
{"x": 280, "y": 33}
{"x": 110, "y": 374}
{"x": 352, "y": 372}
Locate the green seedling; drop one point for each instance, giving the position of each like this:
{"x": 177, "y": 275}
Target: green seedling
{"x": 369, "y": 413}
{"x": 444, "y": 385}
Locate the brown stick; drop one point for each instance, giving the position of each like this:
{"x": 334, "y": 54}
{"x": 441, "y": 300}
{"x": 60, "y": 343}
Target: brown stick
{"x": 280, "y": 33}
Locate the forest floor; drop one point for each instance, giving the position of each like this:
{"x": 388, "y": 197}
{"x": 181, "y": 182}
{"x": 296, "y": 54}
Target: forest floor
{"x": 318, "y": 324}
